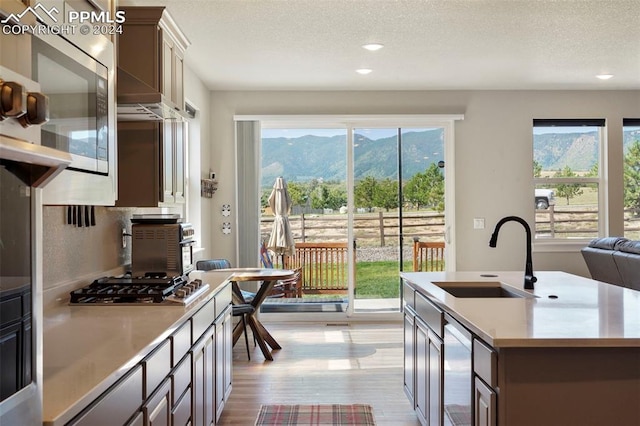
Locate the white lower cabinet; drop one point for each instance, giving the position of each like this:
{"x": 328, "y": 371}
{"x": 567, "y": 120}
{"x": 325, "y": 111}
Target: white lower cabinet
{"x": 184, "y": 380}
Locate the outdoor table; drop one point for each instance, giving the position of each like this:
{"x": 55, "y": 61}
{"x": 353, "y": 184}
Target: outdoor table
{"x": 269, "y": 278}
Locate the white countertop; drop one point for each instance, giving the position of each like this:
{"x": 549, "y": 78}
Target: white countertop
{"x": 585, "y": 312}
{"x": 88, "y": 348}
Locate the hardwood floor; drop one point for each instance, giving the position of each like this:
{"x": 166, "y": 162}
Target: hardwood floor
{"x": 323, "y": 364}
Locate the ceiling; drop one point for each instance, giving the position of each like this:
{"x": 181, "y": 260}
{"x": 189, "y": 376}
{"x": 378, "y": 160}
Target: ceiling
{"x": 428, "y": 44}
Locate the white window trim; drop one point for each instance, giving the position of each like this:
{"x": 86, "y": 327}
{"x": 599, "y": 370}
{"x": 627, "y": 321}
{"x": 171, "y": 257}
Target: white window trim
{"x": 572, "y": 244}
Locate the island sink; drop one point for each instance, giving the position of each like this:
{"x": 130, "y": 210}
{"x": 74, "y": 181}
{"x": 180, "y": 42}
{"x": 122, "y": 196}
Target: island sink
{"x": 481, "y": 289}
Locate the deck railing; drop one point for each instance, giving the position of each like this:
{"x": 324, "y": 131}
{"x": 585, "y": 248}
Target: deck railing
{"x": 324, "y": 266}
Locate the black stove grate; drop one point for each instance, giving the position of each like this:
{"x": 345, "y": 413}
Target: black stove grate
{"x": 116, "y": 290}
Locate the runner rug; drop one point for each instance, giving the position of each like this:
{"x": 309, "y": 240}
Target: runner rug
{"x": 327, "y": 414}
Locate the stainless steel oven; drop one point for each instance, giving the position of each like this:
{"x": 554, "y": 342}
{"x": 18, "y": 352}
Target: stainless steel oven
{"x": 77, "y": 74}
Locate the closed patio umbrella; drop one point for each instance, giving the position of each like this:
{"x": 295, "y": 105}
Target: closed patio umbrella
{"x": 281, "y": 239}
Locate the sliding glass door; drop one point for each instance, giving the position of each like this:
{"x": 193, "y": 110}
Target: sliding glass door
{"x": 398, "y": 198}
{"x": 360, "y": 195}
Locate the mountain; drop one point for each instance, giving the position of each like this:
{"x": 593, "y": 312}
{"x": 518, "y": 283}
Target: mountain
{"x": 577, "y": 150}
{"x": 324, "y": 157}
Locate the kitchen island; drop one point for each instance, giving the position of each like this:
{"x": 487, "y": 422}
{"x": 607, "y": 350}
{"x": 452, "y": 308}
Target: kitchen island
{"x": 120, "y": 360}
{"x": 566, "y": 353}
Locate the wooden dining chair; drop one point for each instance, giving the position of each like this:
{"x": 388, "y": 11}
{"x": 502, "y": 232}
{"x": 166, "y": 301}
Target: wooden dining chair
{"x": 428, "y": 255}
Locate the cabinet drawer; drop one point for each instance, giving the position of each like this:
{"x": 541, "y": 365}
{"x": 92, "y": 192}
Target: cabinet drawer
{"x": 180, "y": 342}
{"x": 116, "y": 405}
{"x": 408, "y": 295}
{"x": 156, "y": 367}
{"x": 181, "y": 378}
{"x": 485, "y": 363}
{"x": 202, "y": 319}
{"x": 223, "y": 299}
{"x": 181, "y": 414}
{"x": 430, "y": 314}
{"x": 157, "y": 410}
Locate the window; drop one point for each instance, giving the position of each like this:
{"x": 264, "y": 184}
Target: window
{"x": 631, "y": 152}
{"x": 567, "y": 170}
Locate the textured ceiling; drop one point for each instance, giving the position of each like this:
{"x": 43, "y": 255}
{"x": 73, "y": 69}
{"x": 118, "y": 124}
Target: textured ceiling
{"x": 429, "y": 45}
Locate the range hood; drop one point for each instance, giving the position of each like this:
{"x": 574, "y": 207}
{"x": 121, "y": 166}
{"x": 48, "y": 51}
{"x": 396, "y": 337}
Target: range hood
{"x": 137, "y": 101}
{"x": 35, "y": 165}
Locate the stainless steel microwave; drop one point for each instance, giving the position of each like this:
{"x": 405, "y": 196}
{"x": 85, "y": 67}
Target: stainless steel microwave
{"x": 76, "y": 72}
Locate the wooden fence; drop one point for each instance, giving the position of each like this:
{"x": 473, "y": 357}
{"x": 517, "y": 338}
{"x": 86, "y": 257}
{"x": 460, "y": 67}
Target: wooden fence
{"x": 370, "y": 229}
{"x": 379, "y": 228}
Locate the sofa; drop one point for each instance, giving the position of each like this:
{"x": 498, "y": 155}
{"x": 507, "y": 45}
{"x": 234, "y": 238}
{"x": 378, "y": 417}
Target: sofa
{"x": 614, "y": 260}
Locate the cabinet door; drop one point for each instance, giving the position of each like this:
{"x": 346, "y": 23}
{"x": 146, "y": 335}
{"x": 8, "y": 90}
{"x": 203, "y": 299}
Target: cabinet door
{"x": 485, "y": 404}
{"x": 409, "y": 356}
{"x": 435, "y": 379}
{"x": 157, "y": 410}
{"x": 179, "y": 156}
{"x": 11, "y": 356}
{"x": 202, "y": 383}
{"x": 167, "y": 163}
{"x": 167, "y": 67}
{"x": 224, "y": 332}
{"x": 422, "y": 371}
{"x": 178, "y": 77}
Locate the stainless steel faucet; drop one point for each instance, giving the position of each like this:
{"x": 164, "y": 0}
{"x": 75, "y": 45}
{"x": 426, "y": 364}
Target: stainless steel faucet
{"x": 529, "y": 278}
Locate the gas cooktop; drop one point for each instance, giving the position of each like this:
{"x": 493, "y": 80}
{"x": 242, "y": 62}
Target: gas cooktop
{"x": 127, "y": 290}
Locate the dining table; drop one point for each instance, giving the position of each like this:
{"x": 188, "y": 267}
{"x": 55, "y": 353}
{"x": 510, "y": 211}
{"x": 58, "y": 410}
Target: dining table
{"x": 268, "y": 277}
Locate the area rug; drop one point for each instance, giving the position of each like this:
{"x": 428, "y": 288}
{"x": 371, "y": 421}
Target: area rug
{"x": 319, "y": 414}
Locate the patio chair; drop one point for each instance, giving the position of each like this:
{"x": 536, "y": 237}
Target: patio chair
{"x": 428, "y": 255}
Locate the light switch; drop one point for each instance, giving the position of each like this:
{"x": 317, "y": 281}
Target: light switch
{"x": 478, "y": 223}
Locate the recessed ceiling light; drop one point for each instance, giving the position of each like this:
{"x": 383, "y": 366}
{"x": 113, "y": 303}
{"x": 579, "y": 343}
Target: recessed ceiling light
{"x": 373, "y": 46}
{"x": 604, "y": 76}
{"x": 364, "y": 71}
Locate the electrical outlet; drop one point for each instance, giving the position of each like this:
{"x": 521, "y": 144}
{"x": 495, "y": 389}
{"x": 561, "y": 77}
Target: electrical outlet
{"x": 478, "y": 223}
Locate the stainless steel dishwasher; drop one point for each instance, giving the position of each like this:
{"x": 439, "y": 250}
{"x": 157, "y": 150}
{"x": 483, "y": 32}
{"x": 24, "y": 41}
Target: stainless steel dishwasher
{"x": 458, "y": 374}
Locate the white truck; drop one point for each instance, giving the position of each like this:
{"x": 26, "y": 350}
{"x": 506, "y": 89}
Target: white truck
{"x": 544, "y": 198}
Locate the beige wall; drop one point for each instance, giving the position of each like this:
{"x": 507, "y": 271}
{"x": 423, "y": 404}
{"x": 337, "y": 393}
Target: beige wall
{"x": 73, "y": 254}
{"x": 492, "y": 164}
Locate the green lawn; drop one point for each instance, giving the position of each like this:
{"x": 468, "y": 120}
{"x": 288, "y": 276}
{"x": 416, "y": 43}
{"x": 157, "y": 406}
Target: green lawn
{"x": 378, "y": 280}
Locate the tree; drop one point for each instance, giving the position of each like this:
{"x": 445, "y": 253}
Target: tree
{"x": 318, "y": 196}
{"x": 567, "y": 190}
{"x": 426, "y": 189}
{"x": 632, "y": 178}
{"x": 337, "y": 197}
{"x": 386, "y": 194}
{"x": 299, "y": 193}
{"x": 537, "y": 169}
{"x": 364, "y": 192}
